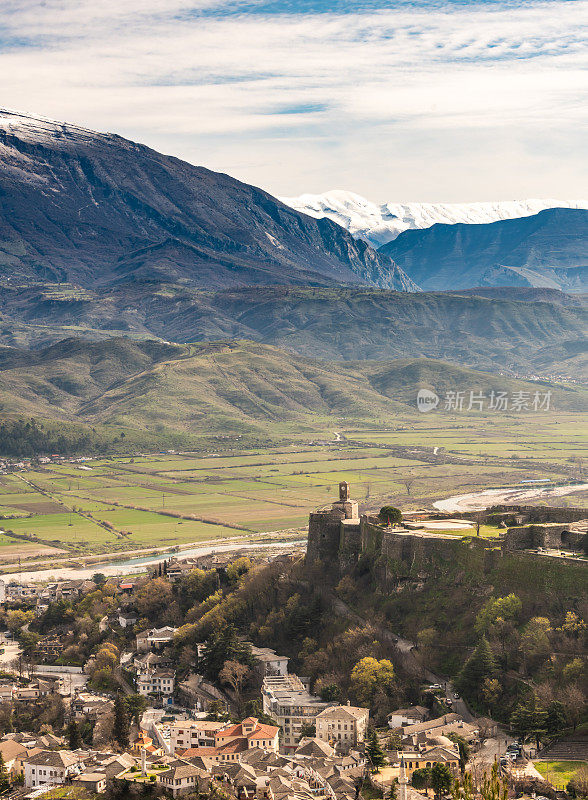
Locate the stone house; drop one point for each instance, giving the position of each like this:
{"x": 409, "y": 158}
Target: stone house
{"x": 343, "y": 726}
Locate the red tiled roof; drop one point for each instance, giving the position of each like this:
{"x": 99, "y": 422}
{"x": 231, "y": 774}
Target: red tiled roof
{"x": 261, "y": 731}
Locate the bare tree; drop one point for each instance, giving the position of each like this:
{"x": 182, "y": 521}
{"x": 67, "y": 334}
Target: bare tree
{"x": 408, "y": 482}
{"x": 235, "y": 675}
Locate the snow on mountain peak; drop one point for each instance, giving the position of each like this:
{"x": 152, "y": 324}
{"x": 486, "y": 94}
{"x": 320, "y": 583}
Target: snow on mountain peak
{"x": 380, "y": 224}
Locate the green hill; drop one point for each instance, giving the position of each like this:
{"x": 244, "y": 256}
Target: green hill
{"x": 224, "y": 388}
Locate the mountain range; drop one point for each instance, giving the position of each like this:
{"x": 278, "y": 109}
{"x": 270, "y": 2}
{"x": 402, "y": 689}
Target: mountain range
{"x": 330, "y": 323}
{"x": 549, "y": 249}
{"x": 379, "y": 224}
{"x": 102, "y": 237}
{"x": 98, "y": 210}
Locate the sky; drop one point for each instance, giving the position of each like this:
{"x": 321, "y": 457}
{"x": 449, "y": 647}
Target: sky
{"x": 436, "y": 100}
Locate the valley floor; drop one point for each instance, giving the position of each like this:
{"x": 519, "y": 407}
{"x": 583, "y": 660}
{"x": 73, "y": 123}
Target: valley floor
{"x": 67, "y": 509}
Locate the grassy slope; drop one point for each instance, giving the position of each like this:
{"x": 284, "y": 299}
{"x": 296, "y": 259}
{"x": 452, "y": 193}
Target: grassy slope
{"x": 231, "y": 387}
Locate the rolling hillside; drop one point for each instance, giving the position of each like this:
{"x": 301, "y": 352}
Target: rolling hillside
{"x": 224, "y": 387}
{"x": 335, "y": 324}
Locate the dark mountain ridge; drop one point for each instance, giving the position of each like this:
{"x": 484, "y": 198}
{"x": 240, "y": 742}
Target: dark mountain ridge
{"x": 549, "y": 249}
{"x": 96, "y": 210}
{"x": 336, "y": 324}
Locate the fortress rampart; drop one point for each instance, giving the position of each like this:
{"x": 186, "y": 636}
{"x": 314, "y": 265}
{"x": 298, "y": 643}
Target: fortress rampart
{"x": 341, "y": 540}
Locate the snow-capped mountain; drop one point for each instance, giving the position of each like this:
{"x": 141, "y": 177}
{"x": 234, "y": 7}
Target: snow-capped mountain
{"x": 380, "y": 224}
{"x": 94, "y": 209}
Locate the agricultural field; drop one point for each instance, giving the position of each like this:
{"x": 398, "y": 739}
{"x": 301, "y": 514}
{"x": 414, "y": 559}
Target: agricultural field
{"x": 162, "y": 500}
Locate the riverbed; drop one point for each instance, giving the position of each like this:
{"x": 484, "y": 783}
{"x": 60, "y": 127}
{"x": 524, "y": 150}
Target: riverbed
{"x": 514, "y": 495}
{"x": 129, "y": 566}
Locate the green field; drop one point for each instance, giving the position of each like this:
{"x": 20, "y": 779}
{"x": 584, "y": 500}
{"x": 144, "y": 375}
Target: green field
{"x": 124, "y": 503}
{"x": 559, "y": 773}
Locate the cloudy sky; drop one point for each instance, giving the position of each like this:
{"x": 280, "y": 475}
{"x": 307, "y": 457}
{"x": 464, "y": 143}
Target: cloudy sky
{"x": 454, "y": 100}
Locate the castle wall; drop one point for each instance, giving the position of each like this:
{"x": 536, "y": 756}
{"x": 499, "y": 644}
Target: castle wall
{"x": 550, "y": 536}
{"x": 324, "y": 536}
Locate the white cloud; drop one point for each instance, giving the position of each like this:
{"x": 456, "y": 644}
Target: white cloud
{"x": 216, "y": 89}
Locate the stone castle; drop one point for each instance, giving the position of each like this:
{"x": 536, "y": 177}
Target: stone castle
{"x": 339, "y": 537}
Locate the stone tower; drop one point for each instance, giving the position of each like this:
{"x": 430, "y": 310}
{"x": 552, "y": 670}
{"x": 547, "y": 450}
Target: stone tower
{"x": 402, "y": 780}
{"x": 325, "y": 527}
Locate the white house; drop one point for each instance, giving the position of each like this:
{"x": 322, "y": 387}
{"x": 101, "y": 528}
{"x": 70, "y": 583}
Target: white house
{"x": 50, "y": 767}
{"x": 181, "y": 777}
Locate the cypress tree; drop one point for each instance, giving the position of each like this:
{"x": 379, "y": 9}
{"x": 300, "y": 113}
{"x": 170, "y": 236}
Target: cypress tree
{"x": 73, "y": 735}
{"x": 479, "y": 666}
{"x": 529, "y": 720}
{"x": 374, "y": 752}
{"x": 121, "y": 722}
{"x": 4, "y": 779}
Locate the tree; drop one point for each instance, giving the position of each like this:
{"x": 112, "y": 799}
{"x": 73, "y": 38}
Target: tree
{"x": 441, "y": 778}
{"x": 535, "y": 643}
{"x": 236, "y": 676}
{"x": 374, "y": 752}
{"x": 136, "y": 705}
{"x": 4, "y": 777}
{"x": 529, "y": 720}
{"x": 154, "y": 598}
{"x": 73, "y": 735}
{"x": 463, "y": 789}
{"x": 573, "y": 671}
{"x": 464, "y": 749}
{"x": 408, "y": 482}
{"x": 421, "y": 778}
{"x": 556, "y": 717}
{"x": 491, "y": 691}
{"x": 370, "y": 674}
{"x": 390, "y": 515}
{"x": 493, "y": 788}
{"x": 121, "y": 723}
{"x": 497, "y": 610}
{"x": 99, "y": 578}
{"x": 479, "y": 666}
{"x": 573, "y": 625}
{"x": 578, "y": 786}
{"x": 238, "y": 568}
{"x": 223, "y": 645}
{"x": 308, "y": 731}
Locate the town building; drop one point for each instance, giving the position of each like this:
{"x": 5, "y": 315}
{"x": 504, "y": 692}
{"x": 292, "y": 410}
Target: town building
{"x": 182, "y": 777}
{"x": 343, "y": 726}
{"x": 126, "y": 619}
{"x": 50, "y": 767}
{"x": 193, "y": 733}
{"x": 407, "y": 716}
{"x": 286, "y": 699}
{"x": 157, "y": 682}
{"x": 270, "y": 663}
{"x": 155, "y": 639}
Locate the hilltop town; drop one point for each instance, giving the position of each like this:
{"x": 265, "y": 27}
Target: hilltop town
{"x": 166, "y": 683}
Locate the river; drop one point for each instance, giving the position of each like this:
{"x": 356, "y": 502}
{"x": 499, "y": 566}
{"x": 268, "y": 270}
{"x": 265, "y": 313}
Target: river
{"x": 128, "y": 566}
